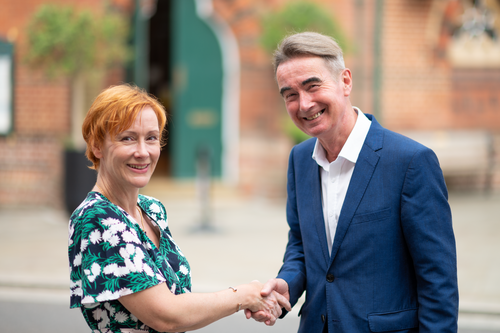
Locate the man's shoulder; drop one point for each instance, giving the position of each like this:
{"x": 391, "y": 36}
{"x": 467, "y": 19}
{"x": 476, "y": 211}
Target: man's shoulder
{"x": 398, "y": 140}
{"x": 391, "y": 139}
{"x": 306, "y": 146}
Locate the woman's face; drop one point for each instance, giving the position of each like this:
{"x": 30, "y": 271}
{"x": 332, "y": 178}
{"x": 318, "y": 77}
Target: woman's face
{"x": 128, "y": 160}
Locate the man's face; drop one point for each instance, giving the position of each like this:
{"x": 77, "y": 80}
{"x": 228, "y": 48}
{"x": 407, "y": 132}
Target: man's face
{"x": 315, "y": 100}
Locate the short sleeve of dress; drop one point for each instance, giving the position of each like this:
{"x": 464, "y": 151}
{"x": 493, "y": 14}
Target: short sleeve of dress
{"x": 178, "y": 274}
{"x": 106, "y": 255}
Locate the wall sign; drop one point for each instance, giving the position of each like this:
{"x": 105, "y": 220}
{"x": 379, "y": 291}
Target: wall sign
{"x": 6, "y": 87}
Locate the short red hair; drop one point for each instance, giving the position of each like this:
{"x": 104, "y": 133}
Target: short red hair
{"x": 115, "y": 110}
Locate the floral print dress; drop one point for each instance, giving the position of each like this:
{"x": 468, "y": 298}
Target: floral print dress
{"x": 110, "y": 256}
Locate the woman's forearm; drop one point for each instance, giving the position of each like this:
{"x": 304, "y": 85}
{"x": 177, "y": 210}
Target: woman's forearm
{"x": 158, "y": 308}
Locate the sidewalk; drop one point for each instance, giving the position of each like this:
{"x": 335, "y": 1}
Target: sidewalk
{"x": 248, "y": 243}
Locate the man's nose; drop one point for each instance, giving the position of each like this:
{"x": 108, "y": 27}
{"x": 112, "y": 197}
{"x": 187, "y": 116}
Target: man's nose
{"x": 305, "y": 102}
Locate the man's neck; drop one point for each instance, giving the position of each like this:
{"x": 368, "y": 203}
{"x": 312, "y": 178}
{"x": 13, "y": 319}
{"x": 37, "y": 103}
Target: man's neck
{"x": 333, "y": 143}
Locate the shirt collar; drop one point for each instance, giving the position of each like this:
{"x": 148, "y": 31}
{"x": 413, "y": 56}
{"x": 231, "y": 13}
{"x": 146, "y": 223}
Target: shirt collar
{"x": 352, "y": 147}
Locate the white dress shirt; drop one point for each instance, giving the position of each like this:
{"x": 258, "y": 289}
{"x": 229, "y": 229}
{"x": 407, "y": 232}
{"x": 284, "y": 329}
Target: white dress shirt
{"x": 335, "y": 176}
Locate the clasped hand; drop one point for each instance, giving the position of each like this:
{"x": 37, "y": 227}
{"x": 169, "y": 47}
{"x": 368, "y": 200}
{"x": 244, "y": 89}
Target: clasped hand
{"x": 276, "y": 296}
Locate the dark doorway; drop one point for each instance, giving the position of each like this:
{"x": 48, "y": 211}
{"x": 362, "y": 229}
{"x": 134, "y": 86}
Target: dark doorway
{"x": 160, "y": 72}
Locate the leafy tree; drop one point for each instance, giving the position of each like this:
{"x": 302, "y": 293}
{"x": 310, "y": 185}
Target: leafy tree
{"x": 78, "y": 45}
{"x": 299, "y": 16}
{"x": 65, "y": 42}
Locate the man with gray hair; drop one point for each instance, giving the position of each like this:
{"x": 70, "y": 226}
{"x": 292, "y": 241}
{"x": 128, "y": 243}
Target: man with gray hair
{"x": 371, "y": 239}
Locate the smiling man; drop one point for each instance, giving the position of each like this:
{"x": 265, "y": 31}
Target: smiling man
{"x": 371, "y": 239}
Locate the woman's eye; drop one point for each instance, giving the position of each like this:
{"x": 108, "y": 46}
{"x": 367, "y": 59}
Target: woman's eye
{"x": 126, "y": 138}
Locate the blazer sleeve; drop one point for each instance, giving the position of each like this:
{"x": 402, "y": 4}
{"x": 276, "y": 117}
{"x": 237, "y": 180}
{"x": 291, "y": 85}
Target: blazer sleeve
{"x": 293, "y": 269}
{"x": 427, "y": 226}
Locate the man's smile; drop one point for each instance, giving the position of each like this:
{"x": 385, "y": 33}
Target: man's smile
{"x": 315, "y": 115}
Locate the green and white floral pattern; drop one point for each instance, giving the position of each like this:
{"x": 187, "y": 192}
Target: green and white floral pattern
{"x": 110, "y": 256}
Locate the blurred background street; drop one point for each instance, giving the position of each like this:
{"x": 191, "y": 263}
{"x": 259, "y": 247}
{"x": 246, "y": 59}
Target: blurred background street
{"x": 247, "y": 243}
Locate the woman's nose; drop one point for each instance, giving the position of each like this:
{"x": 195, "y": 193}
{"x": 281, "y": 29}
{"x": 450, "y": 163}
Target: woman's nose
{"x": 141, "y": 150}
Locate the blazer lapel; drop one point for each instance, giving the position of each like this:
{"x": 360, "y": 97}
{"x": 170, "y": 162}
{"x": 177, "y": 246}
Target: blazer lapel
{"x": 318, "y": 216}
{"x": 363, "y": 171}
{"x": 311, "y": 202}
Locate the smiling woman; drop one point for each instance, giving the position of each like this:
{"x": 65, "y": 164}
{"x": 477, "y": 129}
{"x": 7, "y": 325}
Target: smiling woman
{"x": 127, "y": 273}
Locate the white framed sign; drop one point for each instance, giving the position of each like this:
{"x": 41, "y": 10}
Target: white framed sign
{"x": 6, "y": 88}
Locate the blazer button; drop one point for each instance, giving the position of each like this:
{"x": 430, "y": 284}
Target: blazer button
{"x": 323, "y": 318}
{"x": 330, "y": 278}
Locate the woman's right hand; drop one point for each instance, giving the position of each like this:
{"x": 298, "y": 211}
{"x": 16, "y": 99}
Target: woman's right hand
{"x": 279, "y": 289}
{"x": 270, "y": 305}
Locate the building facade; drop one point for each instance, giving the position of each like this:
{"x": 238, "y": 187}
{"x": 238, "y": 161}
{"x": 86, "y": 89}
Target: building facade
{"x": 429, "y": 69}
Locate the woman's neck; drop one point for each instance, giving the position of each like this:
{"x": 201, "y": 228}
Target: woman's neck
{"x": 124, "y": 198}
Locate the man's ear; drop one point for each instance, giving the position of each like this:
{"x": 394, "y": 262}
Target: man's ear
{"x": 346, "y": 79}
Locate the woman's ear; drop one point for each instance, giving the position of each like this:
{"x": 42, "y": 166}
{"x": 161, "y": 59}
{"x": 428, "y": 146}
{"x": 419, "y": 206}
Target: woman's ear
{"x": 97, "y": 151}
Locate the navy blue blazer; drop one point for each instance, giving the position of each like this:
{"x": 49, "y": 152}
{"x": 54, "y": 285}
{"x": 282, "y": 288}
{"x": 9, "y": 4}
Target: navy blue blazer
{"x": 393, "y": 262}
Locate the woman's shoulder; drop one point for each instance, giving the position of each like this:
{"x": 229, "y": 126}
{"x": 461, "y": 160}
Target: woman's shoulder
{"x": 95, "y": 207}
{"x": 154, "y": 208}
{"x": 150, "y": 204}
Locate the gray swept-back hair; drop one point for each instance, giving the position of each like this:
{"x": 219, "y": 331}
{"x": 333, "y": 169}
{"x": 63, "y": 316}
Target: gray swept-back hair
{"x": 310, "y": 44}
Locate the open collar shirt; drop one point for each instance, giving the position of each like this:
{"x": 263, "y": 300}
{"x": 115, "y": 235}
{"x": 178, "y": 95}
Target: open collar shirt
{"x": 335, "y": 176}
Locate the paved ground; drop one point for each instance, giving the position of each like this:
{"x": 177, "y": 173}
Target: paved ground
{"x": 247, "y": 244}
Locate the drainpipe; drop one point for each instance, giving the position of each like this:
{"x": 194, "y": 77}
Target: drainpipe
{"x": 230, "y": 91}
{"x": 142, "y": 13}
{"x": 377, "y": 59}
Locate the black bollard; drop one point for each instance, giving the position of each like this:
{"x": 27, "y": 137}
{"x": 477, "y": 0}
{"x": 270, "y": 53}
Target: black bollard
{"x": 203, "y": 181}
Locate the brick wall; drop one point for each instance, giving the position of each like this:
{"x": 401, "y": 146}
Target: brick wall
{"x": 31, "y": 163}
{"x": 416, "y": 91}
{"x": 475, "y": 99}
{"x": 30, "y": 171}
{"x": 419, "y": 90}
{"x": 423, "y": 90}
{"x": 263, "y": 146}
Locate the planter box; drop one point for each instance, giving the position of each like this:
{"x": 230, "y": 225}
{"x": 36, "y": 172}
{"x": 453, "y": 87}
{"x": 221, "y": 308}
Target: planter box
{"x": 78, "y": 178}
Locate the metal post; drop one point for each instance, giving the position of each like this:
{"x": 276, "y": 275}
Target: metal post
{"x": 203, "y": 187}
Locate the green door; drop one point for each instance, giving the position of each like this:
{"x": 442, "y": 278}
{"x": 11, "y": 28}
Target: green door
{"x": 195, "y": 127}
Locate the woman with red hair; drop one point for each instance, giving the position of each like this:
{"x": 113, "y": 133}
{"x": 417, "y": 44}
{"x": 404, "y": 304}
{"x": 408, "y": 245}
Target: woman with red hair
{"x": 127, "y": 273}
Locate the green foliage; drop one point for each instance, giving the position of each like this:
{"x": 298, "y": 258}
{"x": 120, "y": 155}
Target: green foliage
{"x": 64, "y": 41}
{"x": 299, "y": 16}
{"x": 293, "y": 132}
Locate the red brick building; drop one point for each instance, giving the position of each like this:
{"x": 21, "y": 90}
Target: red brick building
{"x": 419, "y": 66}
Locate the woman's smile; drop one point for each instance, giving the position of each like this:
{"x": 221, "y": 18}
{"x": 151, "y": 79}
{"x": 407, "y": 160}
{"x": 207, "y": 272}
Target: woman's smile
{"x": 139, "y": 167}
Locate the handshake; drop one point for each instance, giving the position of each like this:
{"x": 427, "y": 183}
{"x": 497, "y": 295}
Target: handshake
{"x": 272, "y": 297}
